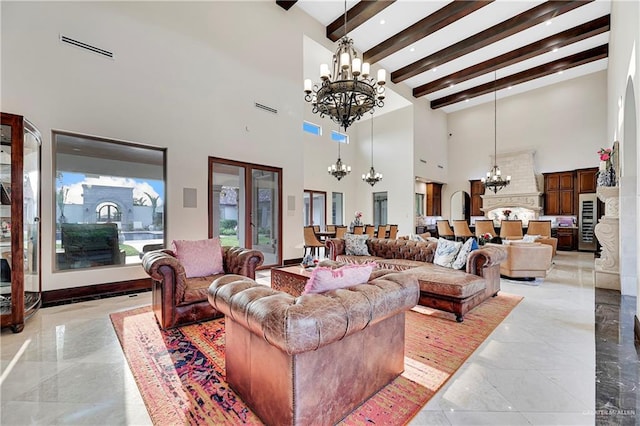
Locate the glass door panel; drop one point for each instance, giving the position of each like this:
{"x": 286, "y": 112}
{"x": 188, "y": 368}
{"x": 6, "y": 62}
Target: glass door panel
{"x": 31, "y": 219}
{"x": 245, "y": 207}
{"x": 314, "y": 208}
{"x": 265, "y": 214}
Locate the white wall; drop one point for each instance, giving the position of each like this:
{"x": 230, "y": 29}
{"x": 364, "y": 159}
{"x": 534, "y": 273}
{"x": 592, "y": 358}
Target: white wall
{"x": 564, "y": 123}
{"x": 624, "y": 69}
{"x": 183, "y": 77}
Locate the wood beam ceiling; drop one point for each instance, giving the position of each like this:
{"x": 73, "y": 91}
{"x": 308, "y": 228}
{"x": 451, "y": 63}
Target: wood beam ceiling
{"x": 564, "y": 38}
{"x": 436, "y": 21}
{"x": 356, "y": 16}
{"x": 527, "y": 19}
{"x": 568, "y": 62}
{"x": 286, "y": 4}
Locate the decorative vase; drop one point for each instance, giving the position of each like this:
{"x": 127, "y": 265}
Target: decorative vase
{"x": 607, "y": 177}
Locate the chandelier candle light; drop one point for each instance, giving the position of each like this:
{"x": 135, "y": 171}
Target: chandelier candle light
{"x": 347, "y": 93}
{"x": 372, "y": 177}
{"x": 339, "y": 170}
{"x": 494, "y": 180}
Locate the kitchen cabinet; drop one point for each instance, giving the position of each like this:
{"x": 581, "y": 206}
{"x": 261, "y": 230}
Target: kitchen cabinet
{"x": 559, "y": 193}
{"x": 477, "y": 191}
{"x": 567, "y": 238}
{"x": 20, "y": 287}
{"x": 434, "y": 202}
{"x": 586, "y": 180}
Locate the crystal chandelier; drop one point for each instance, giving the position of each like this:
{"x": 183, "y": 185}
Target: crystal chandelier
{"x": 339, "y": 170}
{"x": 372, "y": 177}
{"x": 347, "y": 93}
{"x": 494, "y": 180}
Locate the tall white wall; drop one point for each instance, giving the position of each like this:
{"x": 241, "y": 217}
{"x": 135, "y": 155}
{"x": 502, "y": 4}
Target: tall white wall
{"x": 565, "y": 124}
{"x": 185, "y": 77}
{"x": 623, "y": 74}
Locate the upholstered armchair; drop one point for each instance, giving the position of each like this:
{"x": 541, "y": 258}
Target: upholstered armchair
{"x": 178, "y": 300}
{"x": 543, "y": 229}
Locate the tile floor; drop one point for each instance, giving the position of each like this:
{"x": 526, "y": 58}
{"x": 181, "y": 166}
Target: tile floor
{"x": 537, "y": 368}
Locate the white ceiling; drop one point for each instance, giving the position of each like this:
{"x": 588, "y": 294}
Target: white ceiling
{"x": 403, "y": 13}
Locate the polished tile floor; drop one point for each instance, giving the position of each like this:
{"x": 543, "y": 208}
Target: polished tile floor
{"x": 538, "y": 367}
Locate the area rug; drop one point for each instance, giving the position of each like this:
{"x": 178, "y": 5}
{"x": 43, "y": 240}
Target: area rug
{"x": 181, "y": 372}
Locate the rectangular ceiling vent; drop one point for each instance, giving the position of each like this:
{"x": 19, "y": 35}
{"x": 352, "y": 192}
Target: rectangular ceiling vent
{"x": 86, "y": 46}
{"x": 266, "y": 108}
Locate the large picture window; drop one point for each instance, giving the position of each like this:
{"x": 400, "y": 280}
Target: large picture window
{"x": 110, "y": 201}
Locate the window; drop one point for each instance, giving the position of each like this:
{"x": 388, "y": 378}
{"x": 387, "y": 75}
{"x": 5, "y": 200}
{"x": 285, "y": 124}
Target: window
{"x": 314, "y": 203}
{"x": 109, "y": 201}
{"x": 337, "y": 209}
{"x": 314, "y": 129}
{"x": 339, "y": 137}
{"x": 379, "y": 208}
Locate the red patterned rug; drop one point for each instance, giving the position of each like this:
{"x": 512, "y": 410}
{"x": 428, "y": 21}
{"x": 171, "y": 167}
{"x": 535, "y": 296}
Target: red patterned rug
{"x": 181, "y": 373}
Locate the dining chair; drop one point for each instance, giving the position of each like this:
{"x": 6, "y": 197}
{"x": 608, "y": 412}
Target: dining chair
{"x": 316, "y": 228}
{"x": 511, "y": 230}
{"x": 461, "y": 230}
{"x": 311, "y": 241}
{"x": 370, "y": 230}
{"x": 358, "y": 230}
{"x": 444, "y": 229}
{"x": 485, "y": 227}
{"x": 340, "y": 231}
{"x": 331, "y": 228}
{"x": 382, "y": 231}
{"x": 539, "y": 227}
{"x": 393, "y": 232}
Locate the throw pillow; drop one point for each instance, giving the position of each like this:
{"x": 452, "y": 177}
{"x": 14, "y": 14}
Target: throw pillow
{"x": 416, "y": 237}
{"x": 356, "y": 245}
{"x": 463, "y": 254}
{"x": 199, "y": 258}
{"x": 531, "y": 238}
{"x": 324, "y": 278}
{"x": 446, "y": 252}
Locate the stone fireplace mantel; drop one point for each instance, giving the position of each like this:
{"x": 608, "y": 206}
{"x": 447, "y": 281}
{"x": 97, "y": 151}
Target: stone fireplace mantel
{"x": 531, "y": 201}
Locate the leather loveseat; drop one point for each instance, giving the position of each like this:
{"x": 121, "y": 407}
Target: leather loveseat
{"x": 177, "y": 300}
{"x": 450, "y": 290}
{"x": 312, "y": 359}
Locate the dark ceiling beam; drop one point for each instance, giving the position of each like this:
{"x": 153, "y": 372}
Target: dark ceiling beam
{"x": 521, "y": 22}
{"x": 564, "y": 38}
{"x": 568, "y": 62}
{"x": 285, "y": 4}
{"x": 421, "y": 29}
{"x": 356, "y": 16}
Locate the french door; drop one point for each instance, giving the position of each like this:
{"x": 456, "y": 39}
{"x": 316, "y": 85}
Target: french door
{"x": 245, "y": 205}
{"x": 315, "y": 208}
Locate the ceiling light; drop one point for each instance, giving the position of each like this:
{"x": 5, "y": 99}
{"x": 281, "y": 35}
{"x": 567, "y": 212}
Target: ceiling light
{"x": 349, "y": 91}
{"x": 413, "y": 49}
{"x": 382, "y": 22}
{"x": 494, "y": 180}
{"x": 555, "y": 49}
{"x": 548, "y": 22}
{"x": 560, "y": 72}
{"x": 372, "y": 177}
{"x": 339, "y": 170}
{"x": 434, "y": 69}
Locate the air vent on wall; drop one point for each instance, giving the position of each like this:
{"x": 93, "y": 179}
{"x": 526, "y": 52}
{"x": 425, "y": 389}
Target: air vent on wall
{"x": 86, "y": 46}
{"x": 266, "y": 108}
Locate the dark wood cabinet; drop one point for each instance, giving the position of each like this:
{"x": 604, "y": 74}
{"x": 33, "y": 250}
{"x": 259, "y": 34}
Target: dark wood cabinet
{"x": 477, "y": 191}
{"x": 586, "y": 180}
{"x": 559, "y": 193}
{"x": 434, "y": 199}
{"x": 567, "y": 238}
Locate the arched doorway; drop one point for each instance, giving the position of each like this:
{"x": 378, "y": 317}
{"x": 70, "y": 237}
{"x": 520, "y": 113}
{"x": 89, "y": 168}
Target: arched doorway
{"x": 629, "y": 197}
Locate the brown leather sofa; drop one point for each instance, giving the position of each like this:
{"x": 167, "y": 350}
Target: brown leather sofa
{"x": 312, "y": 359}
{"x": 178, "y": 300}
{"x": 450, "y": 290}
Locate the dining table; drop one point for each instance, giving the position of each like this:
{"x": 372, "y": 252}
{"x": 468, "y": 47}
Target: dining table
{"x": 323, "y": 235}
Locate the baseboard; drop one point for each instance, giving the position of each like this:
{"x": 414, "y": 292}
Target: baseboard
{"x": 636, "y": 328}
{"x": 92, "y": 292}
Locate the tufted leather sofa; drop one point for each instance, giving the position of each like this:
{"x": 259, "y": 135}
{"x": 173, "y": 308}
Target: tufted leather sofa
{"x": 312, "y": 359}
{"x": 178, "y": 300}
{"x": 450, "y": 290}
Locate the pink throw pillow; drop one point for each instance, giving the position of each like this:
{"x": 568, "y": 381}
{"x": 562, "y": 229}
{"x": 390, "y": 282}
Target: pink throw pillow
{"x": 199, "y": 258}
{"x": 324, "y": 279}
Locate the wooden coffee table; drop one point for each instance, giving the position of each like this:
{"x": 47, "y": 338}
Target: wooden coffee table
{"x": 290, "y": 279}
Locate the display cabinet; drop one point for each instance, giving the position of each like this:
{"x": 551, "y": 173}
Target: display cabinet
{"x": 20, "y": 285}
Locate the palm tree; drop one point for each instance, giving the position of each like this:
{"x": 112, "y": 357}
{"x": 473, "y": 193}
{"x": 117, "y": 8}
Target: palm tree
{"x": 154, "y": 205}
